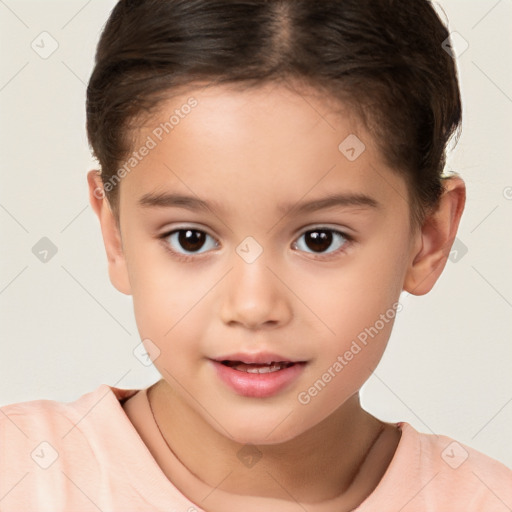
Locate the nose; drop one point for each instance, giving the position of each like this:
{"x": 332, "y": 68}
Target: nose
{"x": 253, "y": 297}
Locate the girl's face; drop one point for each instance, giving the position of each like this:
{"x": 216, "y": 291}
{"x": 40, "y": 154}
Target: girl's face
{"x": 277, "y": 232}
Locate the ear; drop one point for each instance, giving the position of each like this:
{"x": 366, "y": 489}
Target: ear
{"x": 117, "y": 267}
{"x": 436, "y": 238}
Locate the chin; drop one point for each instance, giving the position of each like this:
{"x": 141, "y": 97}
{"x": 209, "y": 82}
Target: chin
{"x": 261, "y": 439}
{"x": 259, "y": 431}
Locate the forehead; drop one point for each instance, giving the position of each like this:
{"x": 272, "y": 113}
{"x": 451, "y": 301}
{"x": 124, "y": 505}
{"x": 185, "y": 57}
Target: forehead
{"x": 266, "y": 140}
{"x": 270, "y": 114}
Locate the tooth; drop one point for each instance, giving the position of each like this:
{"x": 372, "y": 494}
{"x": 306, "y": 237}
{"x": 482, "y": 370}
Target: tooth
{"x": 272, "y": 367}
{"x": 265, "y": 369}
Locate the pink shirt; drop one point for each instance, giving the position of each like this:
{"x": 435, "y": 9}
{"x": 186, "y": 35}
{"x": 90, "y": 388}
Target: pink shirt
{"x": 87, "y": 456}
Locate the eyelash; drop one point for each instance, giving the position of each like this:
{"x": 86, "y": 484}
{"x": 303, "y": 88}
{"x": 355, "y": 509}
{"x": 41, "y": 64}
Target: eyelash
{"x": 187, "y": 258}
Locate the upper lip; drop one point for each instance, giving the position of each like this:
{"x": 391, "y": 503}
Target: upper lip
{"x": 257, "y": 358}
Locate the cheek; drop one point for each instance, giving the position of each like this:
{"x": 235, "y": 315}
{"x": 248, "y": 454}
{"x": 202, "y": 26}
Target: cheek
{"x": 354, "y": 310}
{"x": 172, "y": 322}
{"x": 344, "y": 301}
{"x": 361, "y": 325}
{"x": 165, "y": 296}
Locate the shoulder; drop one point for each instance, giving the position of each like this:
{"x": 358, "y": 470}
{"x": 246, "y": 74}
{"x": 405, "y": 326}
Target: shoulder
{"x": 46, "y": 444}
{"x": 440, "y": 451}
{"x": 434, "y": 472}
{"x": 26, "y": 422}
{"x": 448, "y": 468}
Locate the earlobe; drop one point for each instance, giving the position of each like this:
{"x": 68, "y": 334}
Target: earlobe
{"x": 117, "y": 267}
{"x": 436, "y": 239}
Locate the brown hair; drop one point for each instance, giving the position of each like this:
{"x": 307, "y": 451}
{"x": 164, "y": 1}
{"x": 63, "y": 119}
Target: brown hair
{"x": 384, "y": 57}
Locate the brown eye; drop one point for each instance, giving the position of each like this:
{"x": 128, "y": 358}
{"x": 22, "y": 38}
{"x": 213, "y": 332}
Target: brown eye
{"x": 186, "y": 241}
{"x": 319, "y": 241}
{"x": 191, "y": 240}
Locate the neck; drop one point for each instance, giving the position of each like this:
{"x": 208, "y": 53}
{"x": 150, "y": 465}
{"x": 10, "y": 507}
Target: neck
{"x": 318, "y": 465}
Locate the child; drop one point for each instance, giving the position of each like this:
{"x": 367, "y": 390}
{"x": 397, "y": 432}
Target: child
{"x": 271, "y": 181}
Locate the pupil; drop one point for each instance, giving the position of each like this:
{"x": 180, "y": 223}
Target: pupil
{"x": 190, "y": 238}
{"x": 318, "y": 240}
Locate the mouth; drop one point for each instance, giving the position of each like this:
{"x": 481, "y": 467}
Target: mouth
{"x": 273, "y": 366}
{"x": 260, "y": 362}
{"x": 259, "y": 375}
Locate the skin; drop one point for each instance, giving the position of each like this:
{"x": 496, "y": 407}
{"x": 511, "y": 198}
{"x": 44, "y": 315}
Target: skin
{"x": 249, "y": 151}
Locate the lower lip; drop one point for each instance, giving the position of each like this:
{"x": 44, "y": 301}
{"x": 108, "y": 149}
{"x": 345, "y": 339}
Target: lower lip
{"x": 258, "y": 385}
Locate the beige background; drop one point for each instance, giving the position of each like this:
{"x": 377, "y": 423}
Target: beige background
{"x": 64, "y": 329}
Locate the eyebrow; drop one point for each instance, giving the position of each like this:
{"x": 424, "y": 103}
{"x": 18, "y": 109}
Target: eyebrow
{"x": 172, "y": 200}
